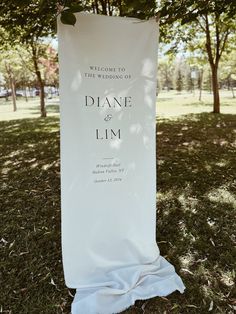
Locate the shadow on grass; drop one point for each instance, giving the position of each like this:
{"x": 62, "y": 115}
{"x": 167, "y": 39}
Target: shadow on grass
{"x": 230, "y": 97}
{"x": 159, "y": 99}
{"x": 195, "y": 226}
{"x": 204, "y": 104}
{"x": 52, "y": 108}
{"x": 30, "y": 217}
{"x": 196, "y": 204}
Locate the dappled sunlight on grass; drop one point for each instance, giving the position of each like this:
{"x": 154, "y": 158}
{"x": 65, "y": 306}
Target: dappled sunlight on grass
{"x": 30, "y": 216}
{"x": 221, "y": 195}
{"x": 196, "y": 210}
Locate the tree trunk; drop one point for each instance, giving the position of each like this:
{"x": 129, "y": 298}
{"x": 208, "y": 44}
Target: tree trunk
{"x": 210, "y": 82}
{"x": 228, "y": 82}
{"x": 26, "y": 96}
{"x": 232, "y": 88}
{"x": 96, "y": 6}
{"x": 110, "y": 8}
{"x": 215, "y": 88}
{"x": 200, "y": 85}
{"x": 104, "y": 6}
{"x": 40, "y": 82}
{"x": 42, "y": 97}
{"x": 13, "y": 85}
{"x": 120, "y": 7}
{"x": 214, "y": 60}
{"x": 13, "y": 92}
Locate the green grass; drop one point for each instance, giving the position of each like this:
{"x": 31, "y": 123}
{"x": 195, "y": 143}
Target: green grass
{"x": 29, "y": 109}
{"x": 172, "y": 104}
{"x": 196, "y": 201}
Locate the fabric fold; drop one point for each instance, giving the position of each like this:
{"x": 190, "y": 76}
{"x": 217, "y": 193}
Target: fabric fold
{"x": 127, "y": 285}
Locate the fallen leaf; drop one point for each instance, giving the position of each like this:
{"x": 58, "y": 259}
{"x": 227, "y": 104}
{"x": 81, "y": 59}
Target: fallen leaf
{"x": 52, "y": 282}
{"x": 192, "y": 306}
{"x": 211, "y": 306}
{"x": 187, "y": 271}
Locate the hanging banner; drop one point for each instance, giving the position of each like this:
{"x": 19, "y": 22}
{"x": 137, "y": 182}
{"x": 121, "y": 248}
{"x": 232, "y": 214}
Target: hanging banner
{"x": 108, "y": 157}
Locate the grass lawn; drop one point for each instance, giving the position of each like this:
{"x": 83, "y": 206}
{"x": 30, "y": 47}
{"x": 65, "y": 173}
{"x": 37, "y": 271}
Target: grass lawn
{"x": 196, "y": 201}
{"x": 28, "y": 109}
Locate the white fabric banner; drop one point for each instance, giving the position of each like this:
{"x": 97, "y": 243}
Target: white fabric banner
{"x": 108, "y": 157}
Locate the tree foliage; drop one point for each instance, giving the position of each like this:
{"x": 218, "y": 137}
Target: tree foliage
{"x": 37, "y": 18}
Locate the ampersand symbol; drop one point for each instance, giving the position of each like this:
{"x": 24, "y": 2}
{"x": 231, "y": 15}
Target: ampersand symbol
{"x": 108, "y": 117}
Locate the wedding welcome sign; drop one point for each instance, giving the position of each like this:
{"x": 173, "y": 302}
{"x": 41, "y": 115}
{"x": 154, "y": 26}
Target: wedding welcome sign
{"x": 108, "y": 157}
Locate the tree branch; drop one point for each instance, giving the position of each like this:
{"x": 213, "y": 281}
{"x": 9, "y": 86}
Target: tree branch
{"x": 224, "y": 38}
{"x": 201, "y": 25}
{"x": 217, "y": 54}
{"x": 208, "y": 42}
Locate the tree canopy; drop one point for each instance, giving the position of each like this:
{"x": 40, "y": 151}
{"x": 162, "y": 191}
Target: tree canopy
{"x": 25, "y": 18}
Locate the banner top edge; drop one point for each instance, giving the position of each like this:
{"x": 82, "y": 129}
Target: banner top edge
{"x": 135, "y": 19}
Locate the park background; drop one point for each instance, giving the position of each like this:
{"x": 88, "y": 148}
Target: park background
{"x": 196, "y": 152}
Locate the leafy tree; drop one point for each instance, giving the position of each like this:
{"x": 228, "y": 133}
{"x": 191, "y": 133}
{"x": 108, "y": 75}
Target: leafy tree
{"x": 12, "y": 82}
{"x": 165, "y": 72}
{"x": 28, "y": 21}
{"x": 228, "y": 71}
{"x": 49, "y": 65}
{"x": 217, "y": 28}
{"x": 207, "y": 81}
{"x": 10, "y": 66}
{"x": 199, "y": 63}
{"x": 179, "y": 80}
{"x": 189, "y": 81}
{"x": 36, "y": 49}
{"x": 214, "y": 23}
